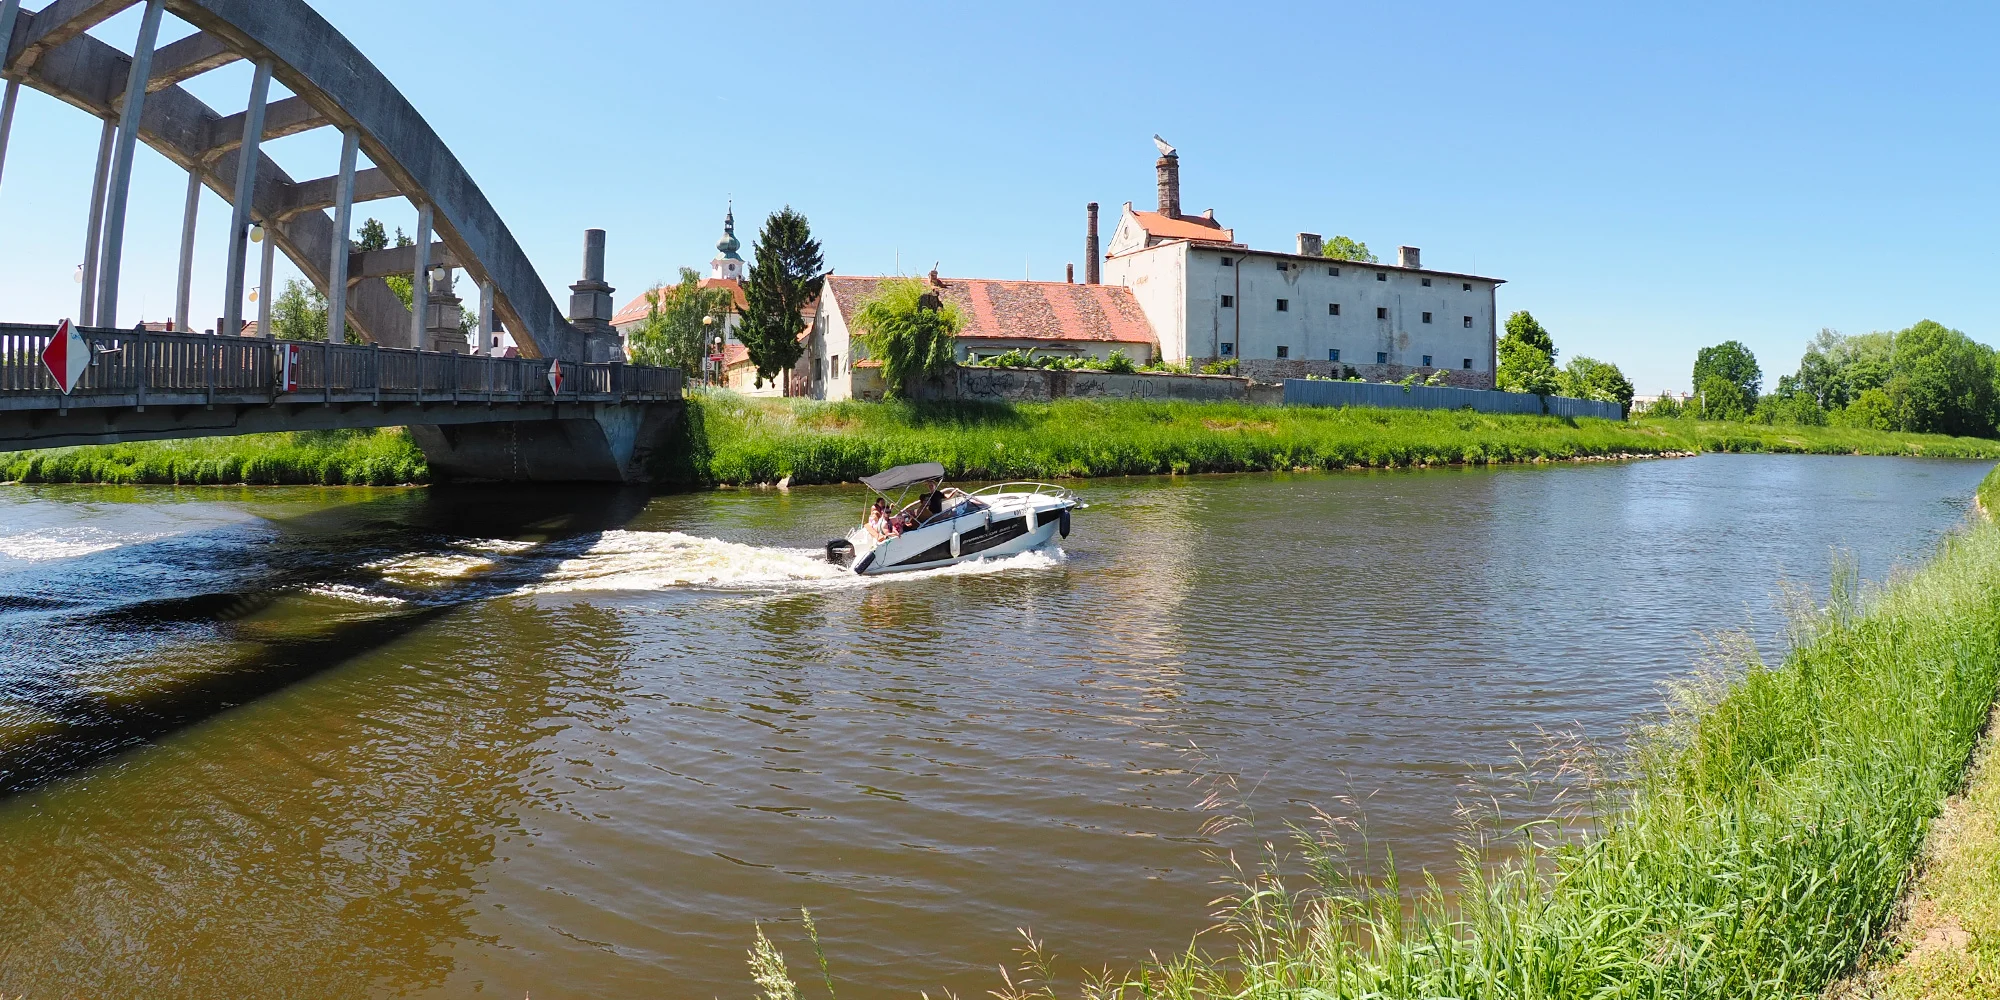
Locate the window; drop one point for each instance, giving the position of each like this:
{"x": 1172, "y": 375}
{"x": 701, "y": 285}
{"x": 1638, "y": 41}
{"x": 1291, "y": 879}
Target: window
{"x": 1468, "y": 286}
{"x": 1228, "y": 348}
{"x": 1228, "y": 262}
{"x": 1427, "y": 361}
{"x": 1468, "y": 322}
{"x": 1381, "y": 312}
{"x": 1229, "y": 302}
{"x": 1284, "y": 305}
{"x": 1333, "y": 309}
{"x": 1427, "y": 317}
{"x": 834, "y": 366}
{"x": 1381, "y": 357}
{"x": 1333, "y": 272}
{"x": 1284, "y": 352}
{"x": 1468, "y": 364}
{"x": 819, "y": 370}
{"x": 1427, "y": 282}
{"x": 1381, "y": 276}
{"x": 1282, "y": 265}
{"x": 1333, "y": 354}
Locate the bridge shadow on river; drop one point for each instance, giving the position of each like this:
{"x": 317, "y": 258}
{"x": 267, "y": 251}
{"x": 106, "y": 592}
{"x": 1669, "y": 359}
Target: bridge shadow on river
{"x": 90, "y": 675}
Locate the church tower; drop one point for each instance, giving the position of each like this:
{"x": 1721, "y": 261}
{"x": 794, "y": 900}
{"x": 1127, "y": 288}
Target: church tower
{"x": 727, "y": 266}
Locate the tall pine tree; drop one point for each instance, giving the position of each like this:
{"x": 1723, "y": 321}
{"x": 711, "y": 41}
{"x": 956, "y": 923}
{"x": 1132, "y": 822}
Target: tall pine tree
{"x": 787, "y": 275}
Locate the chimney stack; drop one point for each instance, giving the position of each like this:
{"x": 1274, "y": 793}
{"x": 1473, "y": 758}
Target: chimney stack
{"x": 1169, "y": 170}
{"x": 1069, "y": 273}
{"x": 1090, "y": 254}
{"x": 1409, "y": 257}
{"x": 1309, "y": 244}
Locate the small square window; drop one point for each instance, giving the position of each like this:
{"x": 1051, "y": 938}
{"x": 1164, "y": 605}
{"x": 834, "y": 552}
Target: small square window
{"x": 1229, "y": 302}
{"x": 1468, "y": 322}
{"x": 1284, "y": 305}
{"x": 1427, "y": 282}
{"x": 1468, "y": 364}
{"x": 1381, "y": 357}
{"x": 1282, "y": 265}
{"x": 1284, "y": 352}
{"x": 1381, "y": 276}
{"x": 1468, "y": 286}
{"x": 1381, "y": 312}
{"x": 1427, "y": 317}
{"x": 1228, "y": 348}
{"x": 1427, "y": 361}
{"x": 835, "y": 366}
{"x": 1333, "y": 354}
{"x": 1333, "y": 272}
{"x": 1228, "y": 262}
{"x": 1333, "y": 309}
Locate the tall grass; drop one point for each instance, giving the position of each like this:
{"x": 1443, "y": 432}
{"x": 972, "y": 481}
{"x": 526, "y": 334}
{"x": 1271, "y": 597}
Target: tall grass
{"x": 328, "y": 458}
{"x": 738, "y": 440}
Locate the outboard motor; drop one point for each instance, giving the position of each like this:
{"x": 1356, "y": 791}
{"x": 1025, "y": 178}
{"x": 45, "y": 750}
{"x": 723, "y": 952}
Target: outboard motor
{"x": 840, "y": 552}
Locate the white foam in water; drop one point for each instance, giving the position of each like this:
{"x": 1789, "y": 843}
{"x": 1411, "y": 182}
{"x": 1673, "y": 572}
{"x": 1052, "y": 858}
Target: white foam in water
{"x": 660, "y": 560}
{"x": 67, "y": 543}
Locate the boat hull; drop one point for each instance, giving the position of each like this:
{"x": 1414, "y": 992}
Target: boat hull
{"x": 991, "y": 533}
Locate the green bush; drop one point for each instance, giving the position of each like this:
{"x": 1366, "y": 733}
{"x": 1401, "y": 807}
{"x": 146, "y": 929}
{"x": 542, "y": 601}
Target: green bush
{"x": 332, "y": 458}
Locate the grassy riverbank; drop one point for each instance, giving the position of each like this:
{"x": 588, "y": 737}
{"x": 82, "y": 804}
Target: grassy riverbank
{"x": 1754, "y": 844}
{"x": 741, "y": 440}
{"x": 736, "y": 440}
{"x": 324, "y": 458}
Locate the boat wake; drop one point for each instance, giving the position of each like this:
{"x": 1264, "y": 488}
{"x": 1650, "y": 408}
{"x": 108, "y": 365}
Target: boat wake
{"x": 654, "y": 560}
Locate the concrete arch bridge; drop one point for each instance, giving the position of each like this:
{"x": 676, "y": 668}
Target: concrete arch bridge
{"x": 475, "y": 416}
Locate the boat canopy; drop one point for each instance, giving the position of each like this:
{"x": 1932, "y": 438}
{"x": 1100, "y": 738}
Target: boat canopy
{"x": 903, "y": 475}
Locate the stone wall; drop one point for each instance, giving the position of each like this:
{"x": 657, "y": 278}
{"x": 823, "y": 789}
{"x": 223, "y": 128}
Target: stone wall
{"x": 1271, "y": 370}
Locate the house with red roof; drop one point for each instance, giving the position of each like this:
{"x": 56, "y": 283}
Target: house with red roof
{"x": 1049, "y": 317}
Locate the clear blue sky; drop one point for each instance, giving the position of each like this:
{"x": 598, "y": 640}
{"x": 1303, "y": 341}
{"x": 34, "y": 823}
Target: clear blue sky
{"x": 1649, "y": 179}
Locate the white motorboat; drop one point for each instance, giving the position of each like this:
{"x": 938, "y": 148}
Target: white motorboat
{"x": 945, "y": 525}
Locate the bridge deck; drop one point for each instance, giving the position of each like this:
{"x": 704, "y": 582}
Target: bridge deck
{"x": 154, "y": 385}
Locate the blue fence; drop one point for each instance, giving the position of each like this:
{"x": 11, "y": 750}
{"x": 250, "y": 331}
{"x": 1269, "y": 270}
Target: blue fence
{"x": 1311, "y": 392}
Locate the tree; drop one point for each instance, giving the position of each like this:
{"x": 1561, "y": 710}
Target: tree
{"x": 1527, "y": 358}
{"x": 679, "y": 320}
{"x": 300, "y": 313}
{"x": 1343, "y": 248}
{"x": 910, "y": 331}
{"x": 786, "y": 276}
{"x": 1720, "y": 399}
{"x": 1589, "y": 378}
{"x": 1733, "y": 363}
{"x": 1945, "y": 381}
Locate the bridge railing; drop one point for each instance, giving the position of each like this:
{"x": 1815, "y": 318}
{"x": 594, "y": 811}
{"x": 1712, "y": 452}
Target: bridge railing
{"x": 129, "y": 367}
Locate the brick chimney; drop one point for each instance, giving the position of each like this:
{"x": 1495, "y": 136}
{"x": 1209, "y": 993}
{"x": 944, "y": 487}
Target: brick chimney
{"x": 1090, "y": 254}
{"x": 1069, "y": 273}
{"x": 1309, "y": 244}
{"x": 1169, "y": 169}
{"x": 1409, "y": 257}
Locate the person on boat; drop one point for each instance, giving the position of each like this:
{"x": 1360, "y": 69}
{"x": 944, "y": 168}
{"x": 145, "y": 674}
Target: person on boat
{"x": 880, "y": 524}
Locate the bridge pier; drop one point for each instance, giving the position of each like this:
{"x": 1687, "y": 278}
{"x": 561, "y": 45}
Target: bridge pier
{"x": 600, "y": 443}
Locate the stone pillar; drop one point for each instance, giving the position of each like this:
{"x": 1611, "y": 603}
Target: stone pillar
{"x": 1169, "y": 170}
{"x": 1090, "y": 254}
{"x": 590, "y": 307}
{"x": 442, "y": 314}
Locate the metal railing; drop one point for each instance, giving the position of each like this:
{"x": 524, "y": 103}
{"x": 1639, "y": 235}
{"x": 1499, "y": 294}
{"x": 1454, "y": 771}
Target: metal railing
{"x": 130, "y": 368}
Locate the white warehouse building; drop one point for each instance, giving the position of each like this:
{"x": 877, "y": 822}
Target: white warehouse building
{"x": 1288, "y": 315}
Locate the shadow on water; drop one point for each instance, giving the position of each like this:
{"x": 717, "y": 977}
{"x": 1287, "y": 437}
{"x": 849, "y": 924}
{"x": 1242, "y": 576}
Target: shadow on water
{"x": 89, "y": 678}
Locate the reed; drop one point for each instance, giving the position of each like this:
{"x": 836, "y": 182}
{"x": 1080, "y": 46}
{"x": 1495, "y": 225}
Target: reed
{"x": 739, "y": 440}
{"x": 325, "y": 458}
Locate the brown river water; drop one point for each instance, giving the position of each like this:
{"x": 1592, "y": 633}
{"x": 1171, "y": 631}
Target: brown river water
{"x": 322, "y": 743}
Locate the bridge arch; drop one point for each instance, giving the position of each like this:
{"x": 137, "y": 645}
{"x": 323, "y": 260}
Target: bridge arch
{"x": 334, "y": 86}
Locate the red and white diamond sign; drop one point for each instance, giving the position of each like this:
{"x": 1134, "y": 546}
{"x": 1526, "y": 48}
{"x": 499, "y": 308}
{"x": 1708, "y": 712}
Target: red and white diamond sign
{"x": 67, "y": 355}
{"x": 555, "y": 377}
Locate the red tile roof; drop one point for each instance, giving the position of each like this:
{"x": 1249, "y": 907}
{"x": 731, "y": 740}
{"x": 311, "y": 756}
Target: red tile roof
{"x": 636, "y": 309}
{"x": 1188, "y": 227}
{"x": 1025, "y": 310}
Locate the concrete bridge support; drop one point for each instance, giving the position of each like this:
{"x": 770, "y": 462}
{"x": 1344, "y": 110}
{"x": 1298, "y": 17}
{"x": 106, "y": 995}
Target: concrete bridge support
{"x": 598, "y": 443}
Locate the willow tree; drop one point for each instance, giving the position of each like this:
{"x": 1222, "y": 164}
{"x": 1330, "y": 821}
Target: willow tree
{"x": 911, "y": 331}
{"x": 784, "y": 278}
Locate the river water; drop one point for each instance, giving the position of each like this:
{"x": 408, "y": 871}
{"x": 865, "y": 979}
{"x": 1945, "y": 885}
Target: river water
{"x": 436, "y": 743}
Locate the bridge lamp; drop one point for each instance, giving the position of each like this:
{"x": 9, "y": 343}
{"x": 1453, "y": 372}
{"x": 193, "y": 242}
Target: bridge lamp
{"x": 78, "y": 276}
{"x": 256, "y": 234}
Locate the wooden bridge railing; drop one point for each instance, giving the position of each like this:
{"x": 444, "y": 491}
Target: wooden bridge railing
{"x": 134, "y": 368}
